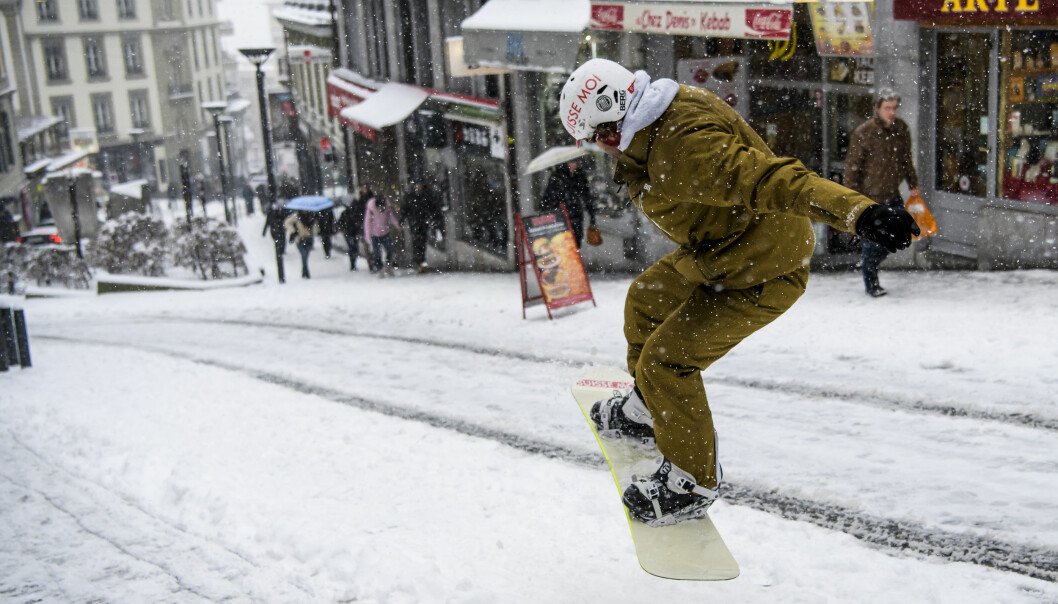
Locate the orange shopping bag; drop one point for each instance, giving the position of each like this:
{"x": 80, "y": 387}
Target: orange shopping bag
{"x": 918, "y": 210}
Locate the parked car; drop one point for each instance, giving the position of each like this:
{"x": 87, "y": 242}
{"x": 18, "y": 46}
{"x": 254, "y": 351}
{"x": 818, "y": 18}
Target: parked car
{"x": 44, "y": 234}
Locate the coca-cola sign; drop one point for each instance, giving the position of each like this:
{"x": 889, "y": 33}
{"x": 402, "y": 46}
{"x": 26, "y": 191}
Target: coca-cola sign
{"x": 713, "y": 20}
{"x": 768, "y": 23}
{"x": 607, "y": 16}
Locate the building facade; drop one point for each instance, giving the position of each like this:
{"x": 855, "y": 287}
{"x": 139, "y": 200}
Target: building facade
{"x": 128, "y": 78}
{"x": 802, "y": 74}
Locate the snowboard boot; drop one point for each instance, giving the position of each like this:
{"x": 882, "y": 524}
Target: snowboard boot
{"x": 624, "y": 416}
{"x": 667, "y": 495}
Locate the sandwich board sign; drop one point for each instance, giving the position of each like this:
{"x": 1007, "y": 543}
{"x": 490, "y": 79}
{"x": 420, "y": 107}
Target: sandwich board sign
{"x": 549, "y": 264}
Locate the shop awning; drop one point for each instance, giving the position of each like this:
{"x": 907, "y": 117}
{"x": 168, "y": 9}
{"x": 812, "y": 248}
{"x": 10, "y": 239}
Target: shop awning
{"x": 391, "y": 104}
{"x": 530, "y": 35}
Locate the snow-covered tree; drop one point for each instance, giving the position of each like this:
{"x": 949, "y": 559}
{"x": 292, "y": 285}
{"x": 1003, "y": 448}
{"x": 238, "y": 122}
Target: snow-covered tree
{"x": 209, "y": 247}
{"x": 132, "y": 243}
{"x": 14, "y": 258}
{"x": 58, "y": 264}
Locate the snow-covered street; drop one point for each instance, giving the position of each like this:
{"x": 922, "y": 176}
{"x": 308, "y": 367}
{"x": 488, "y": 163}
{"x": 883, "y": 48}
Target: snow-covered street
{"x": 348, "y": 438}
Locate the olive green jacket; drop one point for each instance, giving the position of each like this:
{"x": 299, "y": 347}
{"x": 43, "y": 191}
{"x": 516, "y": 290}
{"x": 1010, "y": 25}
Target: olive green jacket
{"x": 741, "y": 215}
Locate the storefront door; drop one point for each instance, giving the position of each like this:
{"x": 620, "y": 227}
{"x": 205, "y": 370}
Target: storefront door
{"x": 964, "y": 138}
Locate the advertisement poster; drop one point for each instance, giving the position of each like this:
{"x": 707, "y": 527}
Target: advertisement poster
{"x": 842, "y": 28}
{"x": 548, "y": 251}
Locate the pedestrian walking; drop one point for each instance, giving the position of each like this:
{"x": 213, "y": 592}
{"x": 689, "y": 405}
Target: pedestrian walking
{"x": 351, "y": 224}
{"x": 302, "y": 227}
{"x": 742, "y": 219}
{"x": 325, "y": 220}
{"x": 421, "y": 211}
{"x": 274, "y": 226}
{"x": 878, "y": 160}
{"x": 568, "y": 185}
{"x": 379, "y": 217}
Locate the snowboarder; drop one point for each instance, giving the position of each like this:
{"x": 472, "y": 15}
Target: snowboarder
{"x": 742, "y": 219}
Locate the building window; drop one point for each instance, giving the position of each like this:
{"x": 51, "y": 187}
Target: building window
{"x": 47, "y": 11}
{"x": 3, "y": 61}
{"x": 962, "y": 113}
{"x": 141, "y": 113}
{"x": 63, "y": 107}
{"x": 1028, "y": 116}
{"x": 130, "y": 47}
{"x": 126, "y": 9}
{"x": 168, "y": 14}
{"x": 103, "y": 112}
{"x": 7, "y": 152}
{"x": 55, "y": 60}
{"x": 94, "y": 59}
{"x": 89, "y": 9}
{"x": 194, "y": 48}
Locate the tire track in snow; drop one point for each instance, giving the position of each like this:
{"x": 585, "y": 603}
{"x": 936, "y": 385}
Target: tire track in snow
{"x": 894, "y": 535}
{"x": 866, "y": 398}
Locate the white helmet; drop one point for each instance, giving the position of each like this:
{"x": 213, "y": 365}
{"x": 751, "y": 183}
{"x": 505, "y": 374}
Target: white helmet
{"x": 596, "y": 93}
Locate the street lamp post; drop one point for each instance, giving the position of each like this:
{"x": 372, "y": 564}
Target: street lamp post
{"x": 215, "y": 108}
{"x": 258, "y": 56}
{"x": 225, "y": 127}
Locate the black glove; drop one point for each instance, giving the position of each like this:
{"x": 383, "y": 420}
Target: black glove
{"x": 293, "y": 237}
{"x": 889, "y": 227}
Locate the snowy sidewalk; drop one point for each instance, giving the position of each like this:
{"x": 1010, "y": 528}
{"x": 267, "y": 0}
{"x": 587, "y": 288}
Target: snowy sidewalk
{"x": 413, "y": 439}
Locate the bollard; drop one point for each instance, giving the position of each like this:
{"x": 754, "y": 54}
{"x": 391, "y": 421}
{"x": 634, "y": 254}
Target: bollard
{"x": 21, "y": 338}
{"x": 8, "y": 347}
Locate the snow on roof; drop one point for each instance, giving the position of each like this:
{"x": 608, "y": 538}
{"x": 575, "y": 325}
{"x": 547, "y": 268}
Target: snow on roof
{"x": 132, "y": 188}
{"x": 391, "y": 104}
{"x": 531, "y": 15}
{"x": 33, "y": 125}
{"x": 238, "y": 105}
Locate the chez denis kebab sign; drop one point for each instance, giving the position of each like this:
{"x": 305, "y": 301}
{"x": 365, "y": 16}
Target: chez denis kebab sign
{"x": 700, "y": 19}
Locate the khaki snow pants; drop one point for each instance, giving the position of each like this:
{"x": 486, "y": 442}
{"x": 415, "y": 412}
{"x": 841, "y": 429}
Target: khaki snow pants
{"x": 675, "y": 329}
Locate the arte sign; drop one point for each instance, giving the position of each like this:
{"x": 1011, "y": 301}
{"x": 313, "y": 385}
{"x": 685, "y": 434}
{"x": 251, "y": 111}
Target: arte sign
{"x": 713, "y": 20}
{"x": 976, "y": 11}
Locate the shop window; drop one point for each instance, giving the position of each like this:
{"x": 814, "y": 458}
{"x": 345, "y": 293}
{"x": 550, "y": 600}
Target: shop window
{"x": 803, "y": 64}
{"x": 962, "y": 113}
{"x": 791, "y": 122}
{"x": 846, "y": 113}
{"x": 1028, "y": 170}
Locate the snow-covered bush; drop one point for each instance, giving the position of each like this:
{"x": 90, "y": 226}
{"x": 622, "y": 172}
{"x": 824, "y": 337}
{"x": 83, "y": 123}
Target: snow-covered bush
{"x": 208, "y": 247}
{"x": 132, "y": 243}
{"x": 13, "y": 262}
{"x": 57, "y": 264}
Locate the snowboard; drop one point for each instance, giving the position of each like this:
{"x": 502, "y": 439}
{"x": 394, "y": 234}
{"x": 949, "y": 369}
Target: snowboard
{"x": 690, "y": 550}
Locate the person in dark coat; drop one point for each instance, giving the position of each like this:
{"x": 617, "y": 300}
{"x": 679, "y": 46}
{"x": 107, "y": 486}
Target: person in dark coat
{"x": 326, "y": 222}
{"x": 569, "y": 185}
{"x": 8, "y": 226}
{"x": 351, "y": 224}
{"x": 274, "y": 226}
{"x": 366, "y": 193}
{"x": 421, "y": 210}
{"x": 878, "y": 160}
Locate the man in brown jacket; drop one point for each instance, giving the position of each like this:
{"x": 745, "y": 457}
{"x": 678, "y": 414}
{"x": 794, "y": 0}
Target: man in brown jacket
{"x": 742, "y": 219}
{"x": 878, "y": 160}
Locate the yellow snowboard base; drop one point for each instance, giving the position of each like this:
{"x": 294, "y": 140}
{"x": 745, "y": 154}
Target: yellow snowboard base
{"x": 691, "y": 550}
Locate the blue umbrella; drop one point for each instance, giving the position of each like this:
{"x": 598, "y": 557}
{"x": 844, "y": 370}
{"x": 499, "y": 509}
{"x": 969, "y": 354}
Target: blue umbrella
{"x": 311, "y": 203}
